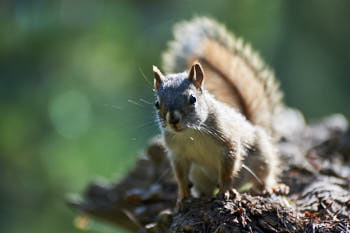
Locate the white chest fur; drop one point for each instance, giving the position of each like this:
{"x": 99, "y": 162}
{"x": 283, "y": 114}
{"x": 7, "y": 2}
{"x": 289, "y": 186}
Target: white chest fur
{"x": 197, "y": 147}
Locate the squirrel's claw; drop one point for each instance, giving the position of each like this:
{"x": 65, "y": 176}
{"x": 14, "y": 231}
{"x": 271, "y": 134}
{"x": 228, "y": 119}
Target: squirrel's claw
{"x": 229, "y": 194}
{"x": 278, "y": 189}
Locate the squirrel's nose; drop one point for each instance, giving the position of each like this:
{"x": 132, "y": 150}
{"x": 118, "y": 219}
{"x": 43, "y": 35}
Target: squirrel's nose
{"x": 173, "y": 117}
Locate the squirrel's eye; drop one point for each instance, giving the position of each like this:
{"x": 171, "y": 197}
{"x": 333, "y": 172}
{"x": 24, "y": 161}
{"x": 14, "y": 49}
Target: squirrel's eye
{"x": 157, "y": 104}
{"x": 192, "y": 99}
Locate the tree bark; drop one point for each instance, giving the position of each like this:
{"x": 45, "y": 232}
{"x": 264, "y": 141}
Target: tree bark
{"x": 315, "y": 165}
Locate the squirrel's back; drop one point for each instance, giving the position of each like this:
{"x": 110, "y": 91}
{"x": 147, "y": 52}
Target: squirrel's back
{"x": 236, "y": 75}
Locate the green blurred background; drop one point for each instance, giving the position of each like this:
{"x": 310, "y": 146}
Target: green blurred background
{"x": 75, "y": 104}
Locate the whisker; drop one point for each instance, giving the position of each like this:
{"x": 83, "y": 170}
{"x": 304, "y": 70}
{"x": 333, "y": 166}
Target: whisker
{"x": 152, "y": 132}
{"x": 213, "y": 132}
{"x": 136, "y": 103}
{"x": 252, "y": 173}
{"x": 145, "y": 77}
{"x": 150, "y": 123}
{"x": 164, "y": 173}
{"x": 145, "y": 101}
{"x": 113, "y": 106}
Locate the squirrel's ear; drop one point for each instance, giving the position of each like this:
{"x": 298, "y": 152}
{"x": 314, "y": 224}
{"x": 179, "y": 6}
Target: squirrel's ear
{"x": 198, "y": 78}
{"x": 191, "y": 74}
{"x": 158, "y": 77}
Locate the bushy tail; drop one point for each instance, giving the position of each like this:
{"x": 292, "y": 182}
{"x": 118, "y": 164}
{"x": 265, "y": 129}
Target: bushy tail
{"x": 235, "y": 74}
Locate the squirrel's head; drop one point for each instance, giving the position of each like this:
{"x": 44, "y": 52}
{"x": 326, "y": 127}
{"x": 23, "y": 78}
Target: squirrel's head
{"x": 180, "y": 103}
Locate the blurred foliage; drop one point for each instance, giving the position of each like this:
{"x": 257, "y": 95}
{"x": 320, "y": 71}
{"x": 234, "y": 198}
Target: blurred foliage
{"x": 76, "y": 95}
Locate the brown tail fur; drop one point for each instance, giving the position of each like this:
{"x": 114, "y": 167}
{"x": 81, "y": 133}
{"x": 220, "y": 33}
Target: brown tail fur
{"x": 236, "y": 75}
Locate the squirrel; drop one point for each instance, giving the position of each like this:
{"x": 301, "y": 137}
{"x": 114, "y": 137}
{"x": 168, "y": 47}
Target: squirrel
{"x": 217, "y": 117}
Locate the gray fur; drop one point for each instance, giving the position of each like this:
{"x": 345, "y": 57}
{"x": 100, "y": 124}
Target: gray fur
{"x": 190, "y": 38}
{"x": 212, "y": 141}
{"x": 173, "y": 94}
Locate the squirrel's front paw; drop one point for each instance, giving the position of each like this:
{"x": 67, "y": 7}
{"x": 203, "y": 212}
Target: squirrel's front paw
{"x": 229, "y": 194}
{"x": 182, "y": 203}
{"x": 278, "y": 189}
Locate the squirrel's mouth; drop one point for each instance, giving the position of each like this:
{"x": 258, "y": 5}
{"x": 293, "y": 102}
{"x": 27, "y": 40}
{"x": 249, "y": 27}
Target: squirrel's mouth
{"x": 175, "y": 127}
